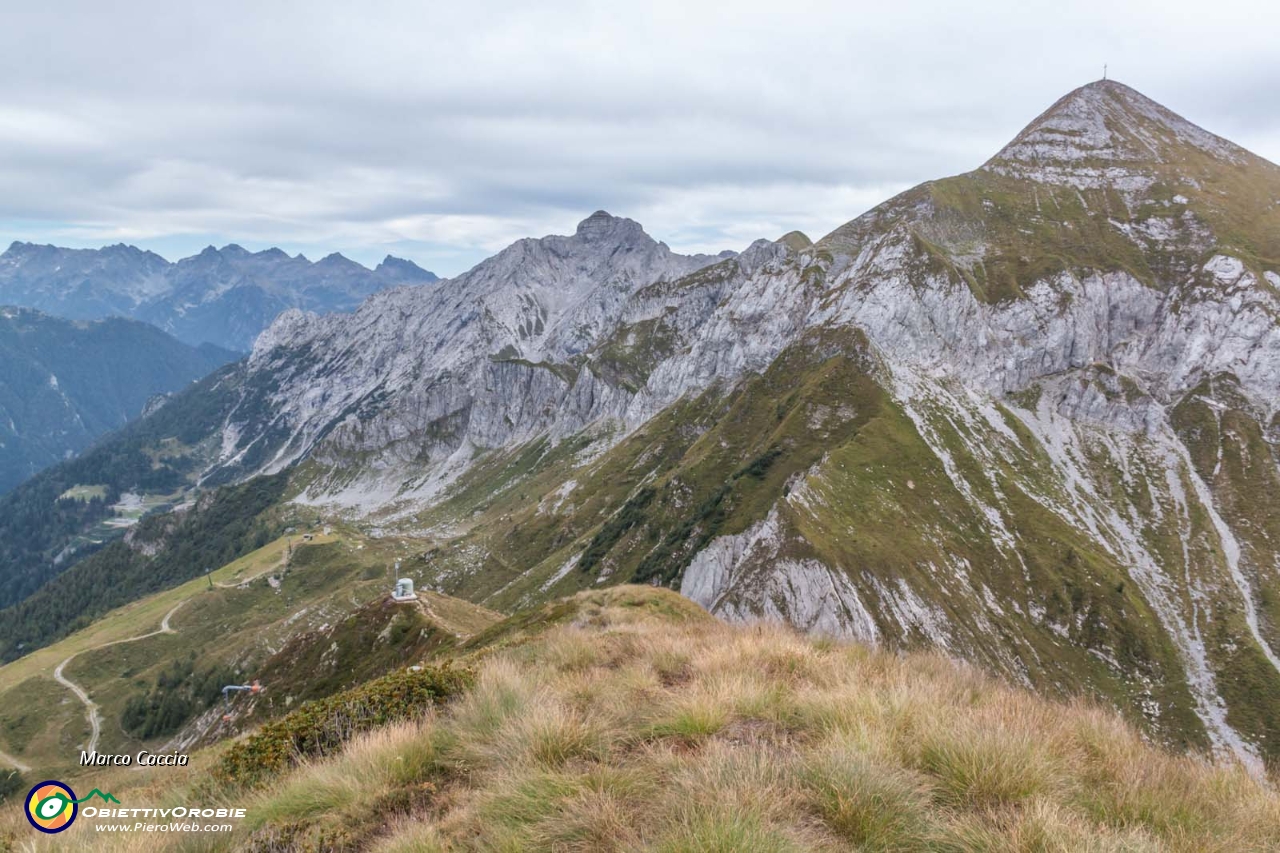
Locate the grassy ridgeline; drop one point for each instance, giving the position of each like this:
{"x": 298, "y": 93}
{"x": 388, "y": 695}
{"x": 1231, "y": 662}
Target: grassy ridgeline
{"x": 627, "y": 719}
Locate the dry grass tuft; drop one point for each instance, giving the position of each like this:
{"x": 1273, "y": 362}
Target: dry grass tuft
{"x": 874, "y": 806}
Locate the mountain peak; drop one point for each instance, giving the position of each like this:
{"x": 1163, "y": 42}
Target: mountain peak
{"x": 797, "y": 241}
{"x": 403, "y": 270}
{"x": 27, "y": 248}
{"x": 1104, "y": 132}
{"x": 602, "y": 224}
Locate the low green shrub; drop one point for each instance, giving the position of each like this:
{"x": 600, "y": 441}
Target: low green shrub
{"x": 11, "y": 784}
{"x": 321, "y": 727}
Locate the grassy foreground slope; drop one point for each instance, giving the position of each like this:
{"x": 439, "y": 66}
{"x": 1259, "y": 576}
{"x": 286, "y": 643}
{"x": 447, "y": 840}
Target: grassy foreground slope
{"x": 628, "y": 719}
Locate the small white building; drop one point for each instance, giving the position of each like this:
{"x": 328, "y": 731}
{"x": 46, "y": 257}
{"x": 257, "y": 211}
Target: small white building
{"x": 404, "y": 590}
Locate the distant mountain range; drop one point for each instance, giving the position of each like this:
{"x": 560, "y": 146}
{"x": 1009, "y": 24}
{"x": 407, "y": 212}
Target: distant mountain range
{"x": 221, "y": 296}
{"x": 64, "y": 383}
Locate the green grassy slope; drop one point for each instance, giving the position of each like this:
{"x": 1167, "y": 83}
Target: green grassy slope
{"x": 307, "y": 618}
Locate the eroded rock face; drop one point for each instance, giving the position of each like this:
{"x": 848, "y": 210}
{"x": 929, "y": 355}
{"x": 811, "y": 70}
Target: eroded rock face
{"x": 492, "y": 358}
{"x": 1106, "y": 135}
{"x": 1079, "y": 349}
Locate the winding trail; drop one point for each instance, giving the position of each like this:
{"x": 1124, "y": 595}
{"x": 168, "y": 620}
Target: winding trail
{"x": 91, "y": 707}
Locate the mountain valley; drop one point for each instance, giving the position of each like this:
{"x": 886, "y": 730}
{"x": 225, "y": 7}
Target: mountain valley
{"x": 63, "y": 384}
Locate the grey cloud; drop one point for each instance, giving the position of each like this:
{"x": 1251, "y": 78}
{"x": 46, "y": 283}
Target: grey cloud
{"x": 442, "y": 130}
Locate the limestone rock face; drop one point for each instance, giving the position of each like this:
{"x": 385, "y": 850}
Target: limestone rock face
{"x": 427, "y": 376}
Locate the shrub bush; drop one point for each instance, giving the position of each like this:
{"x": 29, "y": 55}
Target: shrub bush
{"x": 11, "y": 785}
{"x": 321, "y": 727}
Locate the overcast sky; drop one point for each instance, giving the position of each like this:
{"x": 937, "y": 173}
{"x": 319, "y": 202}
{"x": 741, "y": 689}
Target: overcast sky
{"x": 442, "y": 132}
